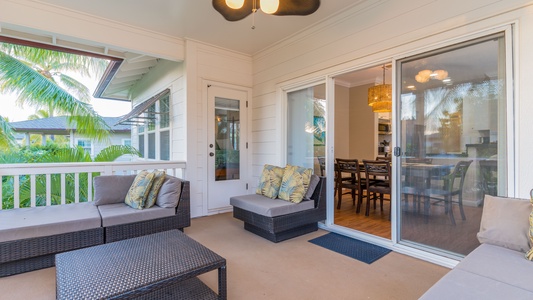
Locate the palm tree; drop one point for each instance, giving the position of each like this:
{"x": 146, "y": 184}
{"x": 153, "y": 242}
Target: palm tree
{"x": 7, "y": 138}
{"x": 40, "y": 114}
{"x": 60, "y": 155}
{"x": 38, "y": 78}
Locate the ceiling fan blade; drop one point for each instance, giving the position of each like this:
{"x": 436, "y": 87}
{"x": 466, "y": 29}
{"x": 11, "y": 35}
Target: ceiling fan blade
{"x": 297, "y": 7}
{"x": 286, "y": 8}
{"x": 231, "y": 14}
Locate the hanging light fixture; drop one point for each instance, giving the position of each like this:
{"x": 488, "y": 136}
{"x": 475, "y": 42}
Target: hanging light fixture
{"x": 380, "y": 96}
{"x": 425, "y": 75}
{"x": 235, "y": 10}
{"x": 269, "y": 6}
{"x": 235, "y": 4}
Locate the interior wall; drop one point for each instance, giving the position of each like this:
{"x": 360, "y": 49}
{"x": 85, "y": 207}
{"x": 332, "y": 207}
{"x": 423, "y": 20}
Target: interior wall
{"x": 342, "y": 121}
{"x": 363, "y": 125}
{"x": 376, "y": 31}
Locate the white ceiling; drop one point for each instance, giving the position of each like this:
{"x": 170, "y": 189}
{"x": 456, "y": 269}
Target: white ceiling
{"x": 198, "y": 20}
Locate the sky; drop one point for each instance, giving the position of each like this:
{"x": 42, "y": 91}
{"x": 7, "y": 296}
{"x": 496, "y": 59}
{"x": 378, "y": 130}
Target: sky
{"x": 104, "y": 107}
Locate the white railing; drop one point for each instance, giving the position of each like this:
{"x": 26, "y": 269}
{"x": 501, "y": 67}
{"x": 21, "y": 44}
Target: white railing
{"x": 23, "y": 185}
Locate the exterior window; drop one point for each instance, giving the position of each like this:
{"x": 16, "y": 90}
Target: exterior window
{"x": 154, "y": 135}
{"x": 141, "y": 144}
{"x": 126, "y": 142}
{"x": 86, "y": 144}
{"x": 165, "y": 145}
{"x": 151, "y": 145}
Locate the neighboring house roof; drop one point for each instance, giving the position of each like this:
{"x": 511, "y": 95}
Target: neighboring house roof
{"x": 60, "y": 126}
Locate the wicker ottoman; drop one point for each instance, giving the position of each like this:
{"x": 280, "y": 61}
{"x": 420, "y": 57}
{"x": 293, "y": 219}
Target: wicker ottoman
{"x": 157, "y": 266}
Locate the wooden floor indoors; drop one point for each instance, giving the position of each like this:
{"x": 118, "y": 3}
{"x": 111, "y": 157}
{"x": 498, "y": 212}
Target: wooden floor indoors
{"x": 377, "y": 223}
{"x": 434, "y": 230}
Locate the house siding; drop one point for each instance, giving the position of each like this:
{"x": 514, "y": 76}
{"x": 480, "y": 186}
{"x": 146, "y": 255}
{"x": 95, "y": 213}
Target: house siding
{"x": 207, "y": 64}
{"x": 378, "y": 31}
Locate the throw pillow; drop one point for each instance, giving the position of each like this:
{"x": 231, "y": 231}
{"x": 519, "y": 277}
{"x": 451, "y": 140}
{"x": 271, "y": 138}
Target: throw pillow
{"x": 170, "y": 193}
{"x": 111, "y": 189}
{"x": 504, "y": 223}
{"x": 159, "y": 178}
{"x": 529, "y": 254}
{"x": 294, "y": 183}
{"x": 139, "y": 189}
{"x": 270, "y": 181}
{"x": 313, "y": 183}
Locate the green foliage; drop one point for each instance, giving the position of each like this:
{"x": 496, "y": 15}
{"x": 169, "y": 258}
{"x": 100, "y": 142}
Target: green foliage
{"x": 37, "y": 77}
{"x": 52, "y": 153}
{"x": 7, "y": 138}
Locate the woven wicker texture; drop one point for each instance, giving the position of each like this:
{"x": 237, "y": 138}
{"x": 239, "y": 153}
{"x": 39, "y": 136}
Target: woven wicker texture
{"x": 37, "y": 253}
{"x": 134, "y": 267}
{"x": 280, "y": 228}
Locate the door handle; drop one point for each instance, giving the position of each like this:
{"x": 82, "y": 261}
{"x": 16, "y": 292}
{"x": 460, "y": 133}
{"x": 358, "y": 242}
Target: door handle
{"x": 211, "y": 154}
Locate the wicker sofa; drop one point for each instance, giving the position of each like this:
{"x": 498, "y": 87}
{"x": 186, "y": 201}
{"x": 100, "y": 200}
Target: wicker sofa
{"x": 278, "y": 220}
{"x": 30, "y": 237}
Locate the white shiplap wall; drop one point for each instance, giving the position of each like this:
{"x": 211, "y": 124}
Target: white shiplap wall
{"x": 378, "y": 31}
{"x": 207, "y": 64}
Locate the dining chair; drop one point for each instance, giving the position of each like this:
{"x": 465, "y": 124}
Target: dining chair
{"x": 413, "y": 184}
{"x": 452, "y": 186}
{"x": 488, "y": 170}
{"x": 352, "y": 181}
{"x": 381, "y": 170}
{"x": 387, "y": 158}
{"x": 322, "y": 165}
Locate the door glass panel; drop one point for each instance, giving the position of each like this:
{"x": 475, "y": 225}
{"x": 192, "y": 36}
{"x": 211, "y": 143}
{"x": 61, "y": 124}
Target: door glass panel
{"x": 227, "y": 137}
{"x": 306, "y": 128}
{"x": 453, "y": 141}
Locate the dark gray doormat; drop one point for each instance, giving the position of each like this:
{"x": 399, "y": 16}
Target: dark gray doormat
{"x": 353, "y": 248}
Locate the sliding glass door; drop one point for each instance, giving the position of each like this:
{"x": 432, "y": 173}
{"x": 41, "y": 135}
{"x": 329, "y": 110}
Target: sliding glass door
{"x": 453, "y": 142}
{"x": 306, "y": 128}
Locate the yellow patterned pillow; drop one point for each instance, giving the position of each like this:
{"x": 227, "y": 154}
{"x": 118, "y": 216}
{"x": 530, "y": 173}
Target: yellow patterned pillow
{"x": 529, "y": 254}
{"x": 139, "y": 189}
{"x": 159, "y": 178}
{"x": 294, "y": 183}
{"x": 270, "y": 181}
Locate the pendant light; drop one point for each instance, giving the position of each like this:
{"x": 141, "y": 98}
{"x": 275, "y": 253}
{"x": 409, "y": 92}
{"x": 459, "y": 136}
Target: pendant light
{"x": 380, "y": 96}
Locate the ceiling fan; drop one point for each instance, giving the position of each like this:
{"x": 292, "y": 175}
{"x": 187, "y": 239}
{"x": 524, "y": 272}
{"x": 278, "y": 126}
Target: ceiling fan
{"x": 235, "y": 10}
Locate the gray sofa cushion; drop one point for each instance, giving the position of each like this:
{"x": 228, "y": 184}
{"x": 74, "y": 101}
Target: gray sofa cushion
{"x": 269, "y": 207}
{"x": 460, "y": 284}
{"x": 23, "y": 223}
{"x": 500, "y": 264}
{"x": 120, "y": 213}
{"x": 170, "y": 192}
{"x": 111, "y": 189}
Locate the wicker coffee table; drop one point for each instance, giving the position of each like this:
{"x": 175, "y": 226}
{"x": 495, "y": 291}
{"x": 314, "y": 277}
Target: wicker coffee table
{"x": 157, "y": 266}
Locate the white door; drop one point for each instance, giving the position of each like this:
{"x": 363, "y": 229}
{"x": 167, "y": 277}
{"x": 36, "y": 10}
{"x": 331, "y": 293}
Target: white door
{"x": 227, "y": 146}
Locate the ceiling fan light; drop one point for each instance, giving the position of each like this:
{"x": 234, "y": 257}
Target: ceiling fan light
{"x": 235, "y": 4}
{"x": 269, "y": 6}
